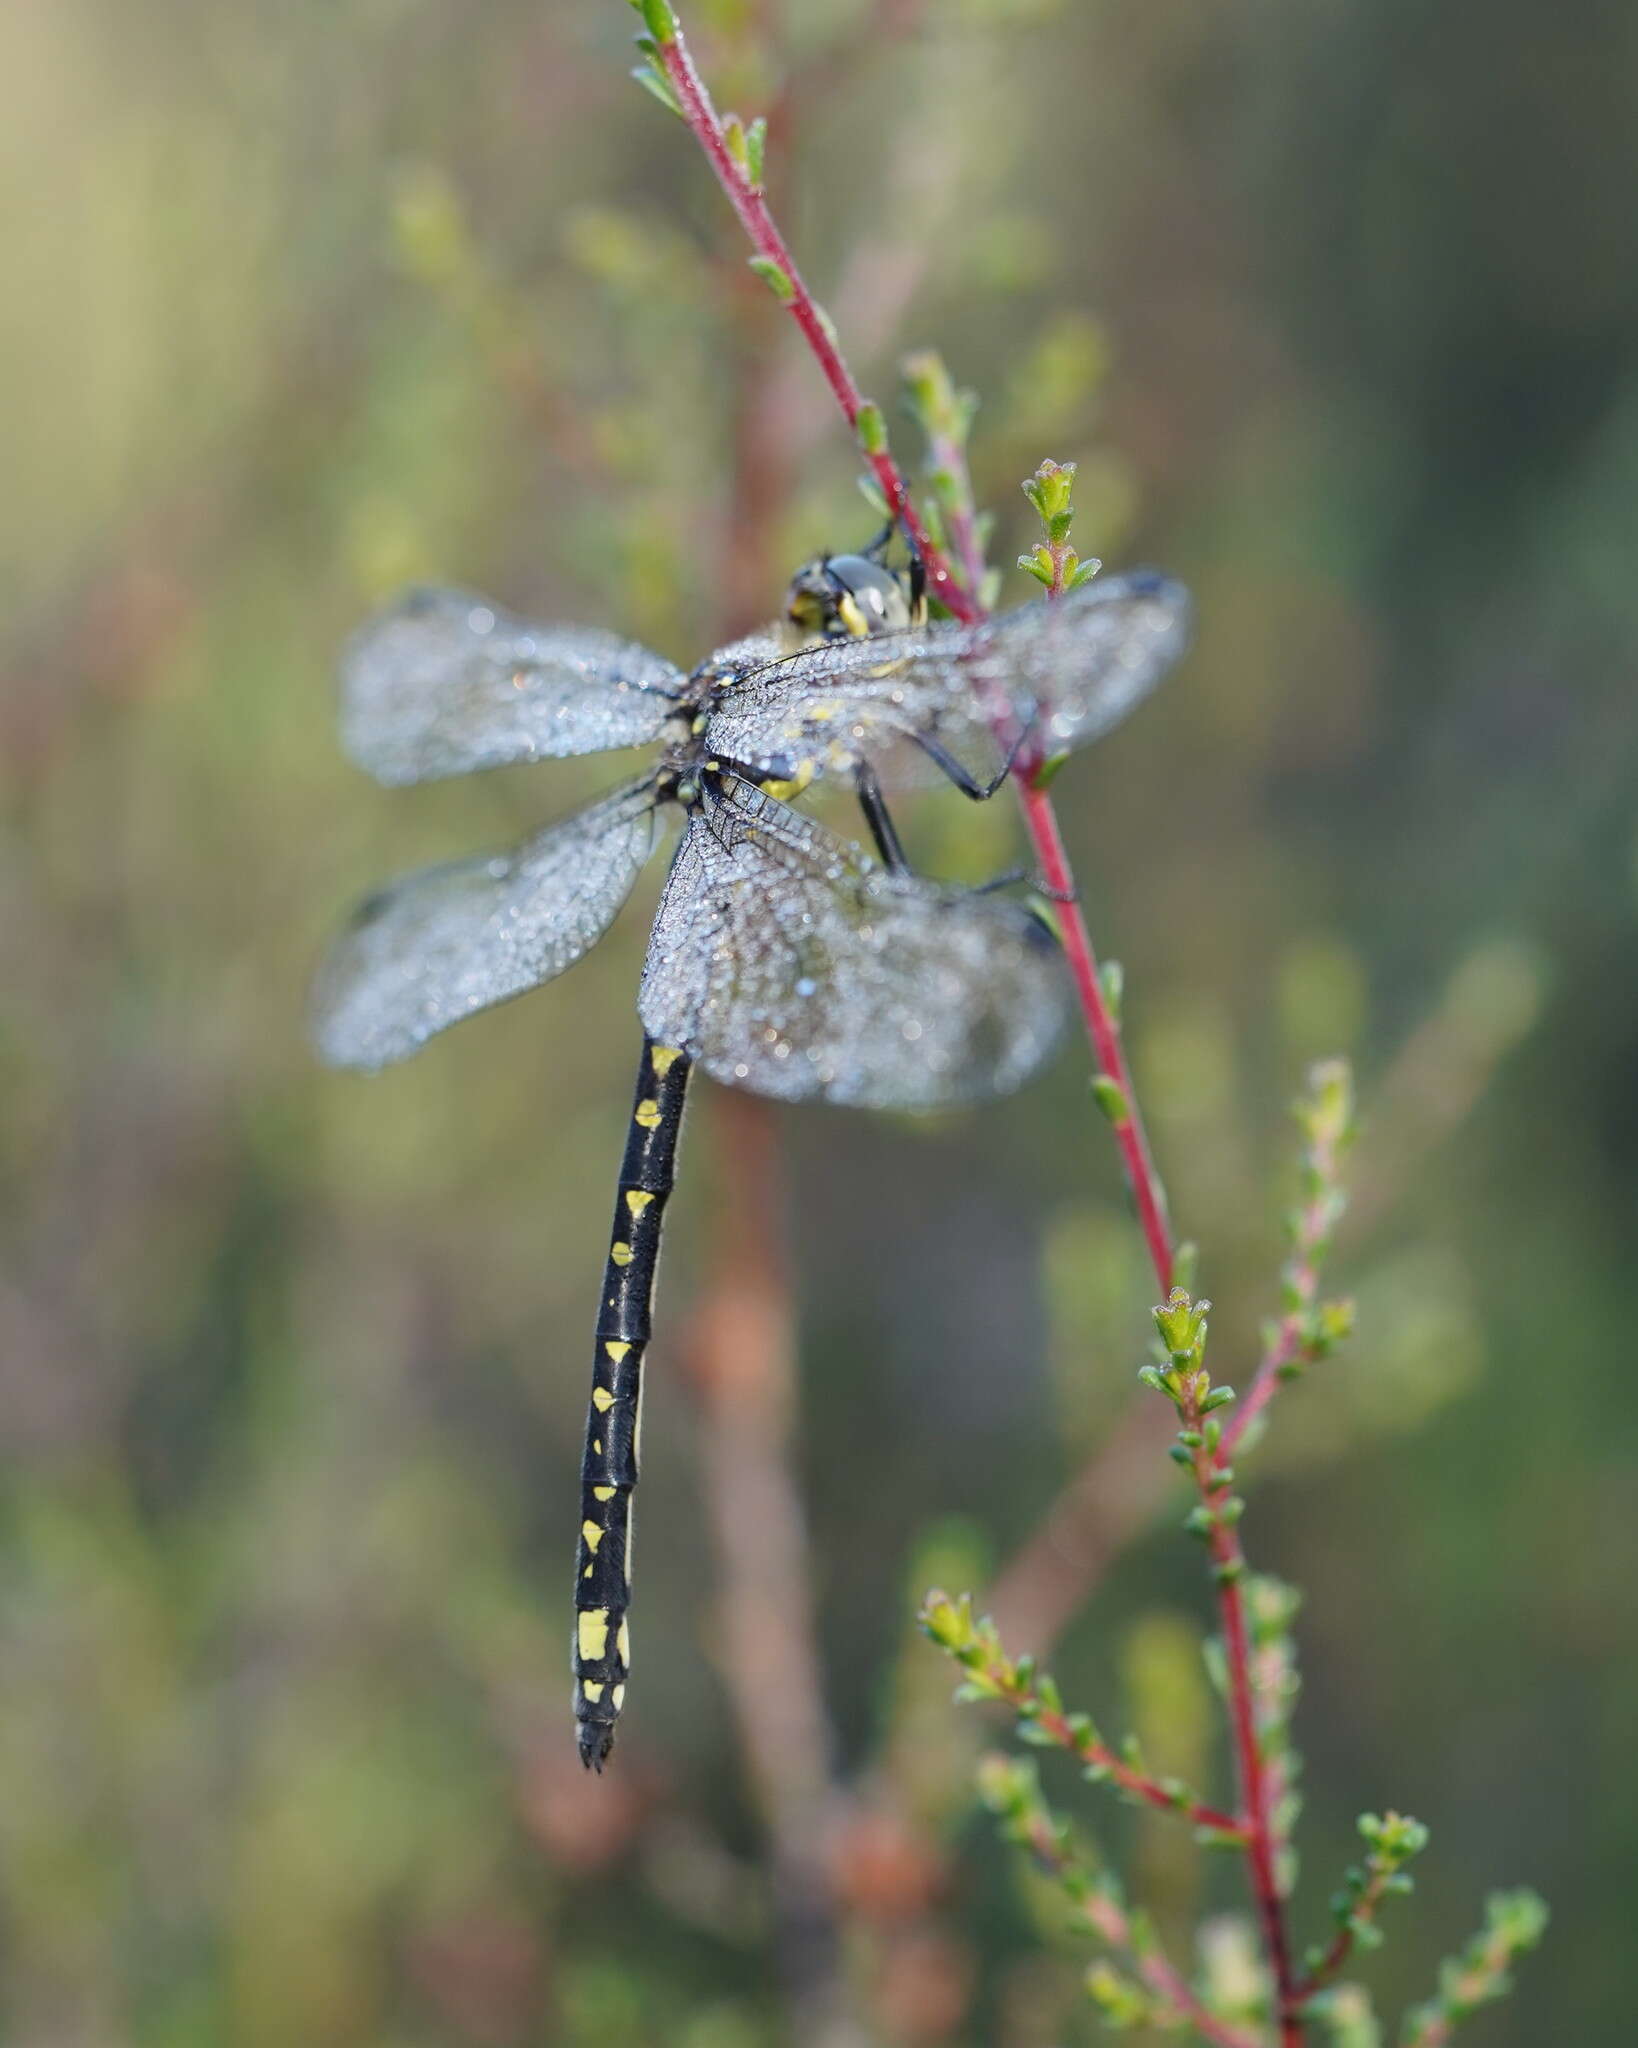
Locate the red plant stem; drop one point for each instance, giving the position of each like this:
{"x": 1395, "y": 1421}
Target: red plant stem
{"x": 1134, "y": 1782}
{"x": 1228, "y": 1559}
{"x": 1164, "y": 1978}
{"x": 1161, "y": 1976}
{"x": 1265, "y": 1382}
{"x": 1314, "y": 1222}
{"x": 1113, "y": 1925}
{"x": 750, "y": 204}
{"x": 1254, "y": 1798}
{"x": 1342, "y": 1943}
{"x": 1101, "y": 1028}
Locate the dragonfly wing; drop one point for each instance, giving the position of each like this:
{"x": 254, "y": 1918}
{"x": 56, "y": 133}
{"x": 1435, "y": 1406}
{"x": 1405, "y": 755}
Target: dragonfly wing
{"x": 1061, "y": 674}
{"x": 434, "y": 946}
{"x": 443, "y": 682}
{"x": 1088, "y": 659}
{"x": 787, "y": 963}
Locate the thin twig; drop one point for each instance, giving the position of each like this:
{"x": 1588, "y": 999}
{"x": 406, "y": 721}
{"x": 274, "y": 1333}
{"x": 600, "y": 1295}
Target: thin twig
{"x": 1109, "y": 1920}
{"x": 1217, "y": 1518}
{"x": 1304, "y": 1333}
{"x": 750, "y": 203}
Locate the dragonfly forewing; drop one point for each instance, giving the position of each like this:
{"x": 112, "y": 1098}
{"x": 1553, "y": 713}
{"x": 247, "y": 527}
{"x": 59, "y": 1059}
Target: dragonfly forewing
{"x": 435, "y": 946}
{"x": 785, "y": 962}
{"x": 957, "y": 698}
{"x": 442, "y": 683}
{"x": 1088, "y": 659}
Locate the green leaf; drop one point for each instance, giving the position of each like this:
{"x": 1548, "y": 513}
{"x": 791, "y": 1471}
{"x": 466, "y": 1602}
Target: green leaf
{"x": 871, "y": 428}
{"x": 657, "y": 83}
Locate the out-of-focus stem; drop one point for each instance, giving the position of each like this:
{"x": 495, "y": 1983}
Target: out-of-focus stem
{"x": 1045, "y": 1583}
{"x": 742, "y": 1365}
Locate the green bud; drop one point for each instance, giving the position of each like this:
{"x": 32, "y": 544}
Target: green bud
{"x": 1049, "y": 490}
{"x": 948, "y": 1622}
{"x": 775, "y": 277}
{"x": 756, "y": 144}
{"x": 660, "y": 21}
{"x": 871, "y": 429}
{"x": 1110, "y": 1098}
{"x": 1039, "y": 564}
{"x": 1112, "y": 982}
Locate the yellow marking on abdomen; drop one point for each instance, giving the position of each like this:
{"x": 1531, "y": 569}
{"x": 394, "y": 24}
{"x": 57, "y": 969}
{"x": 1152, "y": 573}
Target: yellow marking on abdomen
{"x": 637, "y": 1201}
{"x": 617, "y": 1698}
{"x": 592, "y": 1534}
{"x": 620, "y": 1252}
{"x": 602, "y": 1400}
{"x": 592, "y": 1688}
{"x": 615, "y": 1350}
{"x": 622, "y": 1643}
{"x": 647, "y": 1113}
{"x": 602, "y": 1493}
{"x": 664, "y": 1058}
{"x": 593, "y": 1633}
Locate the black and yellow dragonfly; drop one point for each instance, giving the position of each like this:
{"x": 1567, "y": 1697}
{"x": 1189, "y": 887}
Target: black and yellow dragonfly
{"x": 783, "y": 958}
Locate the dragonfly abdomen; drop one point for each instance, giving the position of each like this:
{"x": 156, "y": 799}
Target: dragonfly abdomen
{"x": 608, "y": 1471}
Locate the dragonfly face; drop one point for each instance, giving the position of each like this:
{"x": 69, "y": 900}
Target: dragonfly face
{"x": 782, "y": 959}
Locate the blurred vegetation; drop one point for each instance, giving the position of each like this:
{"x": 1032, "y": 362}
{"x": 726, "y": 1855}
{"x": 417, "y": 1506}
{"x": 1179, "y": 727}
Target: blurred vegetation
{"x": 1336, "y": 310}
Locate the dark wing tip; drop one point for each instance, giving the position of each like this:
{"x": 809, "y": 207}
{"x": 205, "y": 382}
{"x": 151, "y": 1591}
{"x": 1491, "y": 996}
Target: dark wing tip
{"x": 1153, "y": 584}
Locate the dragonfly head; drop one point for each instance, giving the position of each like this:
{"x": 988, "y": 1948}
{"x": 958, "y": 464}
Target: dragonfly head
{"x": 847, "y": 597}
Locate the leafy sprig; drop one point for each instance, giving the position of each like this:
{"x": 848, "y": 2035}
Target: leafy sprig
{"x": 1514, "y": 1923}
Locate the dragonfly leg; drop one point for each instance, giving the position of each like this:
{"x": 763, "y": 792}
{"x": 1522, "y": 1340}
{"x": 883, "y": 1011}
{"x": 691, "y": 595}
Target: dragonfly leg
{"x": 882, "y": 829}
{"x": 962, "y": 776}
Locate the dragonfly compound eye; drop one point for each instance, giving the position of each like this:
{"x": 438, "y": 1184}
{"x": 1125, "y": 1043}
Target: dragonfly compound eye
{"x": 846, "y": 597}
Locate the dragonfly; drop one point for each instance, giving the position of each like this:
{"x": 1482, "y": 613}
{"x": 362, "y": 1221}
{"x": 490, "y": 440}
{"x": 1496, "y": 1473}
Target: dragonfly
{"x": 784, "y": 958}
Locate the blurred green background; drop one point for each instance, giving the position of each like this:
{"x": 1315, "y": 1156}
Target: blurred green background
{"x": 1338, "y": 309}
